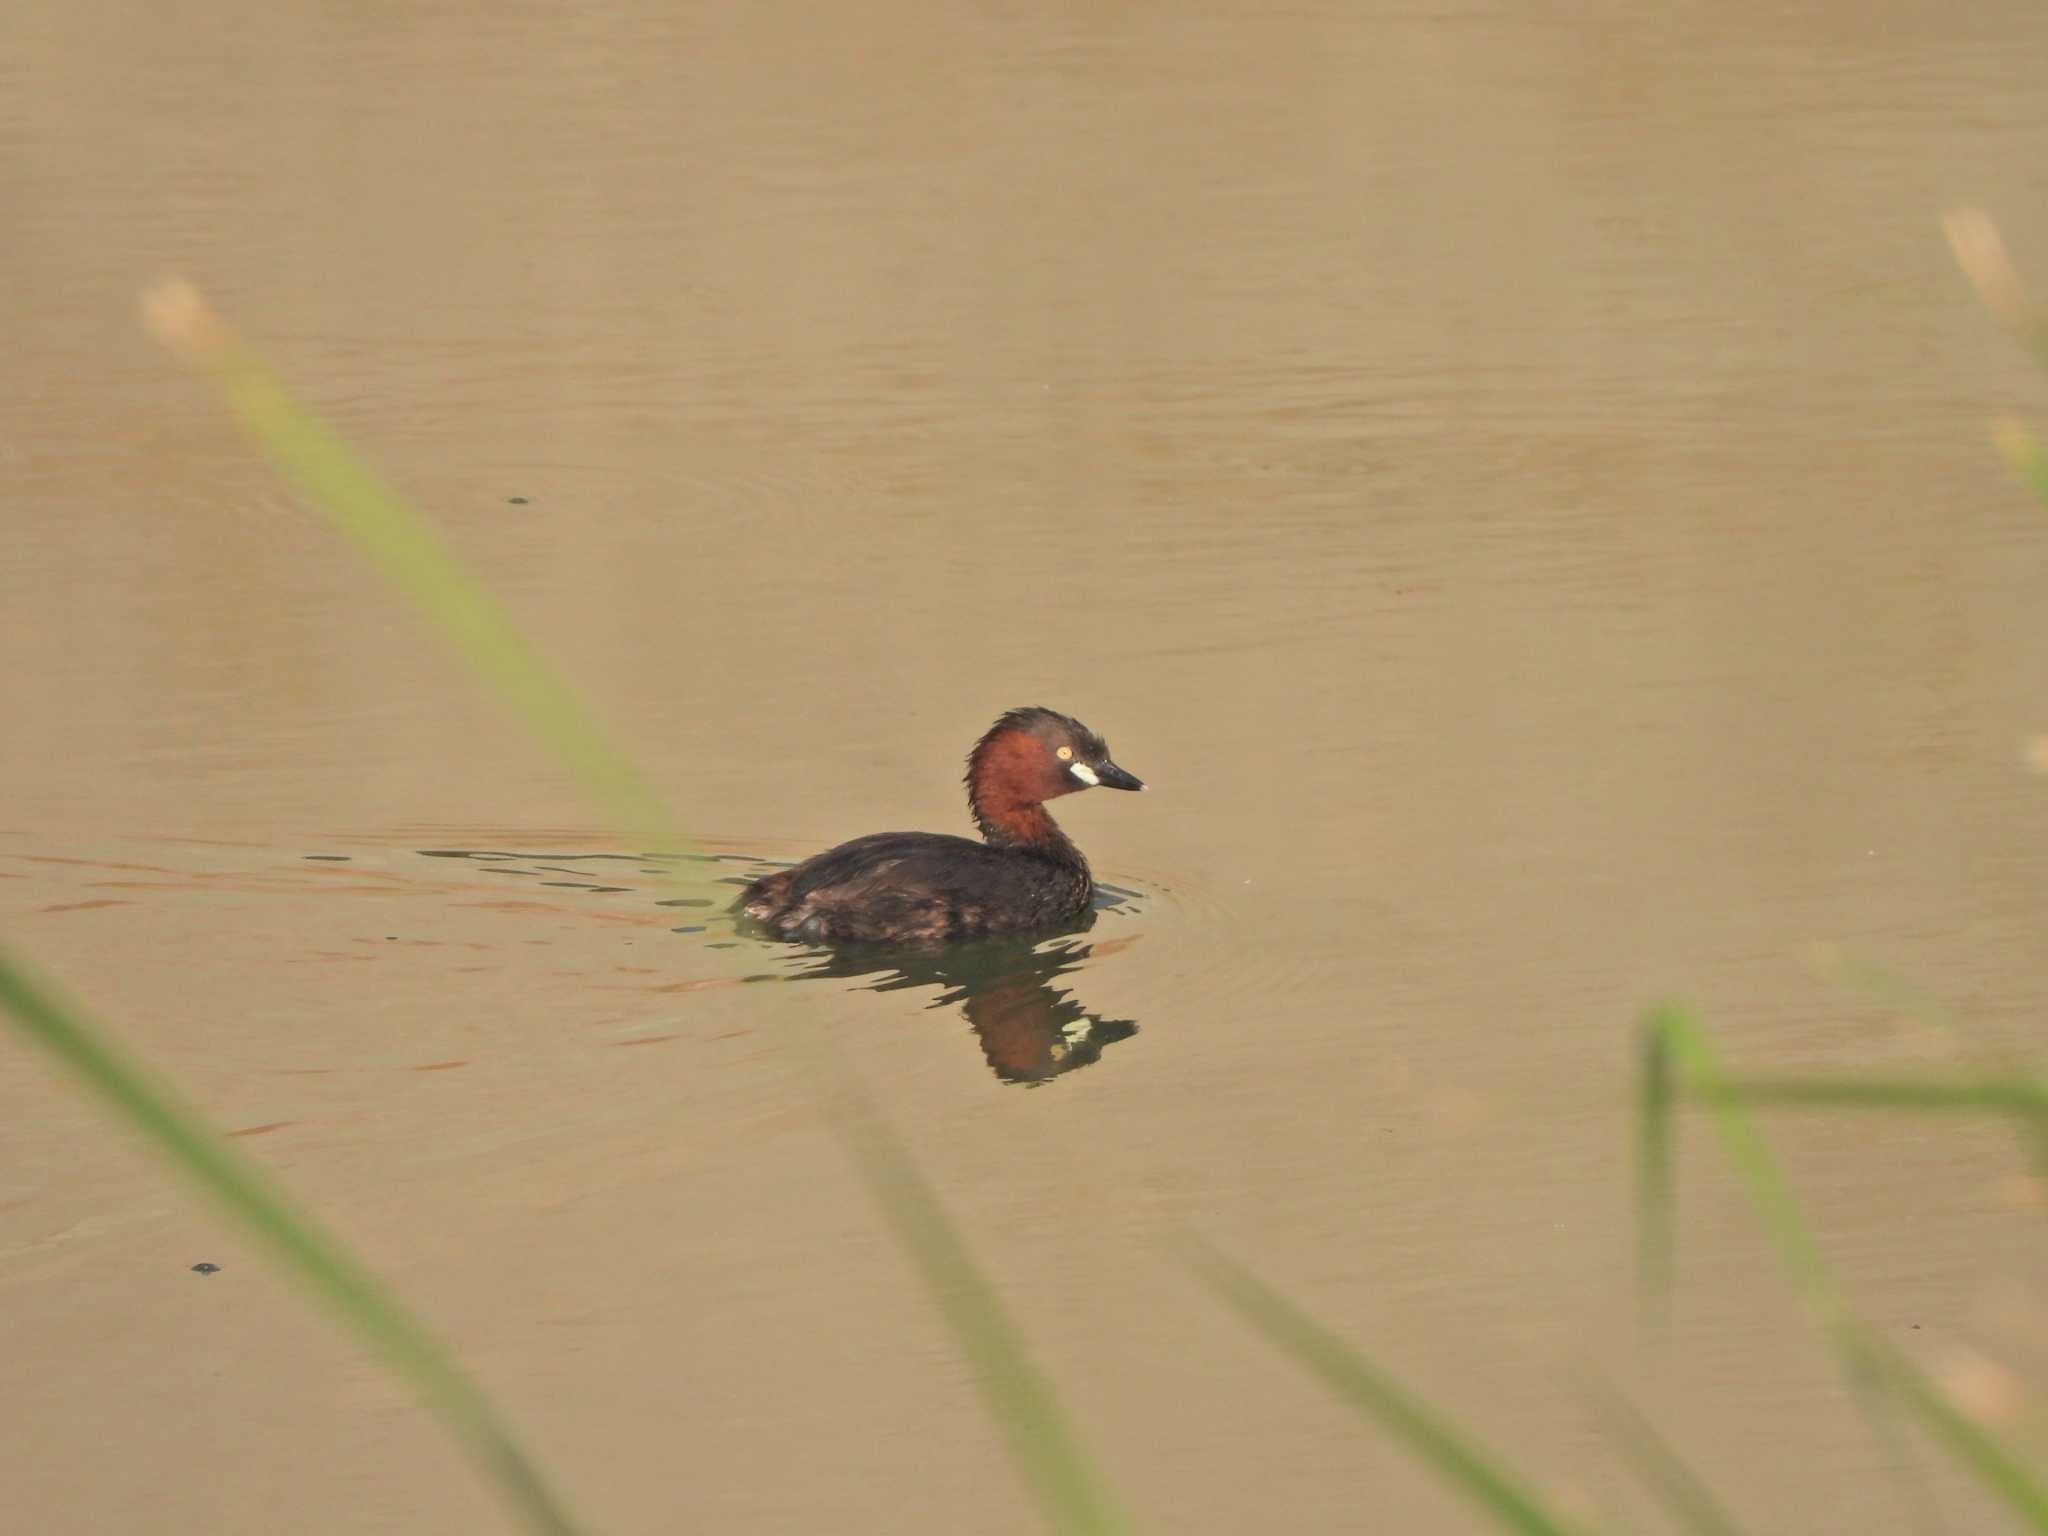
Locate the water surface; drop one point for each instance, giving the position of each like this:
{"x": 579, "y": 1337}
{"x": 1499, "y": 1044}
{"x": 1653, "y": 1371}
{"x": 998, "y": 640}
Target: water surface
{"x": 1512, "y": 479}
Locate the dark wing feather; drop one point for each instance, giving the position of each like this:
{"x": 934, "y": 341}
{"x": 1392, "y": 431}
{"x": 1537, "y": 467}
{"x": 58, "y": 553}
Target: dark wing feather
{"x": 914, "y": 887}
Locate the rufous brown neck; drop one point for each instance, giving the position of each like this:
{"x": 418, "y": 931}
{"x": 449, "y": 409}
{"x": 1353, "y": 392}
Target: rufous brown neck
{"x": 1008, "y": 822}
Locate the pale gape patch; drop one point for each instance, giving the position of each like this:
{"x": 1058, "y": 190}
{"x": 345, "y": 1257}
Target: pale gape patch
{"x": 1083, "y": 772}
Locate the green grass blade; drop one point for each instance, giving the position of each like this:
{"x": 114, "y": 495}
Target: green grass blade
{"x": 1465, "y": 1467}
{"x": 1655, "y": 1104}
{"x": 1869, "y": 1361}
{"x": 2024, "y": 453}
{"x": 1982, "y": 1452}
{"x": 1699, "y": 1072}
{"x": 1691, "y": 1503}
{"x": 413, "y": 558}
{"x": 2011, "y": 1094}
{"x": 1979, "y": 249}
{"x": 1047, "y": 1447}
{"x": 356, "y": 1296}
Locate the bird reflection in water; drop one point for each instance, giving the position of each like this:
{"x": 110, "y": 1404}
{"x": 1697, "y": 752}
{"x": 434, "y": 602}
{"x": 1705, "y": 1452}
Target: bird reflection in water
{"x": 1030, "y": 1029}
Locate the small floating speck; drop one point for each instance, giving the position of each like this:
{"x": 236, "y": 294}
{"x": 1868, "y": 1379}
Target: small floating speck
{"x": 204, "y": 1268}
{"x": 517, "y": 501}
{"x": 329, "y": 858}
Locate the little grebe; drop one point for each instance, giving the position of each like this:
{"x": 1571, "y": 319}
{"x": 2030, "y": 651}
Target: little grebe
{"x": 924, "y": 887}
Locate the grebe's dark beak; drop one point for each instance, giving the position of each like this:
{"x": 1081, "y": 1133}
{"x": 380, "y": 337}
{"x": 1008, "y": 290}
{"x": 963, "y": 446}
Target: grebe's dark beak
{"x": 1109, "y": 776}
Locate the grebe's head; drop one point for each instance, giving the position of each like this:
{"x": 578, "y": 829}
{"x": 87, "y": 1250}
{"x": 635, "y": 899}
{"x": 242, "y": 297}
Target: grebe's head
{"x": 1033, "y": 755}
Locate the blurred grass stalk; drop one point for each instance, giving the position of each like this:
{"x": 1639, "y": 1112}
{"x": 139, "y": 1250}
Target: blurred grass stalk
{"x": 1044, "y": 1442}
{"x": 1691, "y": 1502}
{"x": 1979, "y": 249}
{"x": 1504, "y": 1497}
{"x": 413, "y": 557}
{"x": 1681, "y": 1050}
{"x": 248, "y": 1196}
{"x": 2014, "y": 1094}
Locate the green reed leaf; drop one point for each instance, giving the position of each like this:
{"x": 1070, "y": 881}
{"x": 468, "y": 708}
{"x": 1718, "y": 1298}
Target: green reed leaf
{"x": 1452, "y": 1455}
{"x": 1699, "y": 1073}
{"x": 1996, "y": 1466}
{"x": 2005, "y": 1094}
{"x": 248, "y": 1196}
{"x": 1869, "y": 1361}
{"x": 1691, "y": 1503}
{"x": 1047, "y": 1447}
{"x": 1979, "y": 249}
{"x": 413, "y": 557}
{"x": 1655, "y": 1107}
{"x": 2023, "y": 451}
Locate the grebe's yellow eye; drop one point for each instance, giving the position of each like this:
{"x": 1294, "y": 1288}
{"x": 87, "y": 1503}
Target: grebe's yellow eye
{"x": 1064, "y": 754}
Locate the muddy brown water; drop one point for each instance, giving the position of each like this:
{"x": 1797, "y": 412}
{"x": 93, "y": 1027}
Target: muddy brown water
{"x": 1512, "y": 478}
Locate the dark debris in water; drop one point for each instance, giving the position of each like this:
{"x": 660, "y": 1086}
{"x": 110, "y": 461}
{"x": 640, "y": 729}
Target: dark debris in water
{"x": 205, "y": 1268}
